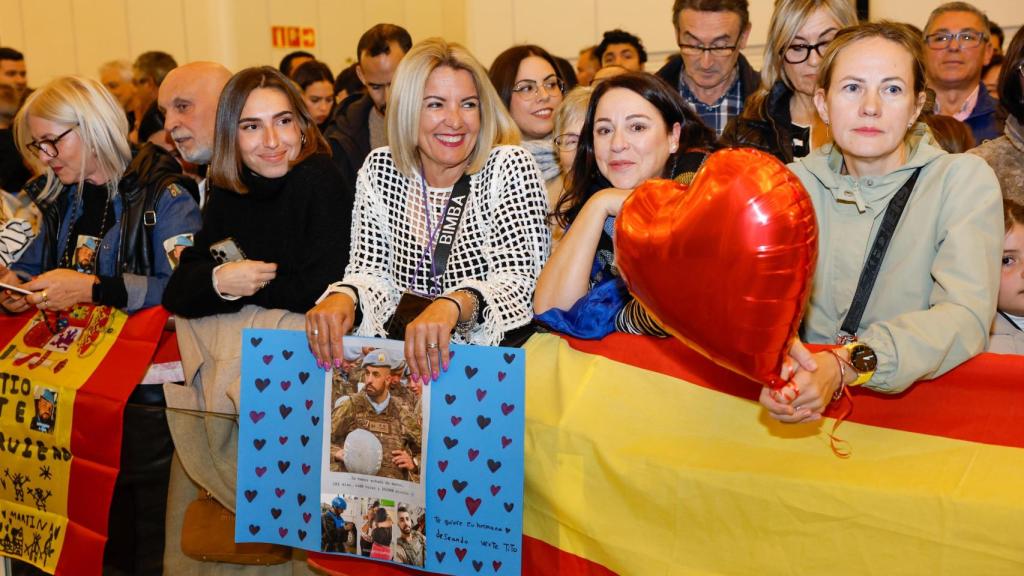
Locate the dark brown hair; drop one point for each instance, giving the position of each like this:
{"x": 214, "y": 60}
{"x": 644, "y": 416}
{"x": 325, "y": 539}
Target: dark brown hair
{"x": 377, "y": 40}
{"x": 311, "y": 72}
{"x": 951, "y": 134}
{"x": 580, "y": 185}
{"x": 739, "y": 7}
{"x": 1010, "y": 95}
{"x": 226, "y": 168}
{"x": 506, "y": 66}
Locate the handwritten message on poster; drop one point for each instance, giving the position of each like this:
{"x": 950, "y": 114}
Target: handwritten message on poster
{"x": 361, "y": 460}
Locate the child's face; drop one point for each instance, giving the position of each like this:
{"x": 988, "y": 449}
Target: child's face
{"x": 1011, "y": 286}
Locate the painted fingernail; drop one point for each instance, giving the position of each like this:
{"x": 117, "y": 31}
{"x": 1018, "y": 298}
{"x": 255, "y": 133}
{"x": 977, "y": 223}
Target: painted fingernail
{"x": 337, "y": 362}
{"x": 414, "y": 377}
{"x": 436, "y": 375}
{"x": 444, "y": 366}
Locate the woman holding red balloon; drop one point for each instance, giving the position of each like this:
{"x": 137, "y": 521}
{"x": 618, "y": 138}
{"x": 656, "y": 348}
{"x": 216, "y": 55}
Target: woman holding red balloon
{"x": 937, "y": 266}
{"x": 637, "y": 128}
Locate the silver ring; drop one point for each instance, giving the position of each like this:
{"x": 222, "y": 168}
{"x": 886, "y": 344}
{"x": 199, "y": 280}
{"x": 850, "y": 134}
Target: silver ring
{"x": 432, "y": 346}
{"x": 316, "y": 331}
{"x": 263, "y": 284}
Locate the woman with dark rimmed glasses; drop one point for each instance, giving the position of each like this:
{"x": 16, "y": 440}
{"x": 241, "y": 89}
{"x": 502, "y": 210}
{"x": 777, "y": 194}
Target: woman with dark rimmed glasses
{"x": 780, "y": 117}
{"x": 528, "y": 82}
{"x": 108, "y": 216}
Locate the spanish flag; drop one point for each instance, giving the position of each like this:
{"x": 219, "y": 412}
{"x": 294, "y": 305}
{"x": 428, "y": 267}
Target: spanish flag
{"x": 64, "y": 382}
{"x": 644, "y": 458}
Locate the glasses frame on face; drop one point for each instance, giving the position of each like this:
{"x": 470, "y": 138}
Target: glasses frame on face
{"x": 713, "y": 51}
{"x": 806, "y": 49}
{"x": 531, "y": 88}
{"x": 969, "y": 39}
{"x": 38, "y": 146}
{"x": 567, "y": 141}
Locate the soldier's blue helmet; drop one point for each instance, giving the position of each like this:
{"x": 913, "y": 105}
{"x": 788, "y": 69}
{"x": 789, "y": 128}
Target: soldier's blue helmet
{"x": 339, "y": 502}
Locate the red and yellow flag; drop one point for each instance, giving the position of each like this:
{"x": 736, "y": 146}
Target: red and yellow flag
{"x": 64, "y": 382}
{"x": 644, "y": 458}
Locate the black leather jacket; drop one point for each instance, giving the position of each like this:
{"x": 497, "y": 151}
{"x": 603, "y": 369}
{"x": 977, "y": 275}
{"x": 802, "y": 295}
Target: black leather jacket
{"x": 771, "y": 131}
{"x": 151, "y": 171}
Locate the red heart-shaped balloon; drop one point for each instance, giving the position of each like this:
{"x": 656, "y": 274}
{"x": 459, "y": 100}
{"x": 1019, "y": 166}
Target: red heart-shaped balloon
{"x": 724, "y": 264}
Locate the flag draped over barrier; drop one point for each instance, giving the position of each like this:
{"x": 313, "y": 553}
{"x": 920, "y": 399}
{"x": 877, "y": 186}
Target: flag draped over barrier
{"x": 64, "y": 382}
{"x": 644, "y": 458}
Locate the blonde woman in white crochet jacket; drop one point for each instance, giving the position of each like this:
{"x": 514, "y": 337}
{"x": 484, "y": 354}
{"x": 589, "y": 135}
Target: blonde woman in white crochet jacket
{"x": 445, "y": 124}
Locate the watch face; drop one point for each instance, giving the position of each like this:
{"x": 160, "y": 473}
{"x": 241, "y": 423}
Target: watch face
{"x": 863, "y": 358}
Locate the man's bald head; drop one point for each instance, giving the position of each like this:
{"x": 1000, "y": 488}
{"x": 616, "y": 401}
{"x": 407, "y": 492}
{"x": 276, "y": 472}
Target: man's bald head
{"x": 188, "y": 98}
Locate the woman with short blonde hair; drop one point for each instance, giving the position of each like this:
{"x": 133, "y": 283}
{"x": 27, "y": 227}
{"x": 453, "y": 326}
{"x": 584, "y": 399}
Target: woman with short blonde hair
{"x": 448, "y": 229}
{"x": 780, "y": 117}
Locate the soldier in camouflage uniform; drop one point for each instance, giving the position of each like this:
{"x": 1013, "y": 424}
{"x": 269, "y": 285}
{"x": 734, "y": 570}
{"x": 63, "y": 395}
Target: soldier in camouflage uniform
{"x": 411, "y": 545}
{"x": 386, "y": 417}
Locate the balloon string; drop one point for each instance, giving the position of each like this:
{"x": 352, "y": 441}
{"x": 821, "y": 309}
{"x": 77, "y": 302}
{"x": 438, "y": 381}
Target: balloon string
{"x": 840, "y": 447}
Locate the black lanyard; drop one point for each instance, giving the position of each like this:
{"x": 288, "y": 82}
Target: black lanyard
{"x": 1012, "y": 323}
{"x": 447, "y": 228}
{"x": 873, "y": 264}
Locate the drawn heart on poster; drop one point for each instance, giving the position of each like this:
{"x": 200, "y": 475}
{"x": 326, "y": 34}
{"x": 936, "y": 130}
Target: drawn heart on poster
{"x": 268, "y": 358}
{"x": 303, "y": 376}
{"x": 254, "y": 529}
{"x": 507, "y": 409}
{"x": 302, "y": 534}
{"x": 262, "y": 383}
{"x": 509, "y": 357}
{"x": 473, "y": 453}
{"x": 505, "y": 441}
{"x": 473, "y": 504}
{"x": 442, "y": 465}
{"x": 301, "y": 498}
{"x": 449, "y": 398}
{"x": 461, "y": 553}
{"x": 450, "y": 442}
{"x": 442, "y": 492}
{"x": 287, "y": 354}
{"x": 285, "y": 410}
{"x": 439, "y": 555}
{"x": 286, "y": 384}
{"x": 459, "y": 485}
{"x": 259, "y": 443}
{"x": 304, "y": 439}
{"x": 501, "y": 376}
{"x": 256, "y": 416}
{"x": 306, "y": 517}
{"x": 456, "y": 420}
{"x": 250, "y": 495}
{"x": 496, "y": 564}
{"x": 480, "y": 394}
{"x": 309, "y": 404}
{"x": 477, "y": 565}
{"x": 275, "y": 512}
{"x": 493, "y": 465}
{"x": 495, "y": 489}
{"x": 255, "y": 341}
{"x": 470, "y": 371}
{"x": 279, "y": 492}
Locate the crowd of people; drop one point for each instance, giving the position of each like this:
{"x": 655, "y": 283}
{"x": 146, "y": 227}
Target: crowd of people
{"x": 424, "y": 197}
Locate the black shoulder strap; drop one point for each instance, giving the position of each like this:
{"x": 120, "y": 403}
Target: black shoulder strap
{"x": 447, "y": 229}
{"x": 873, "y": 264}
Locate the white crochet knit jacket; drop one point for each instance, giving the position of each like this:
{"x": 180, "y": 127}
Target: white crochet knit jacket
{"x": 499, "y": 250}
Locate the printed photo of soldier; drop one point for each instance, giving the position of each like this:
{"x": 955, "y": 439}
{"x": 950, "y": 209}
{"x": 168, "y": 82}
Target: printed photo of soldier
{"x": 337, "y": 528}
{"x": 375, "y": 431}
{"x": 45, "y": 419}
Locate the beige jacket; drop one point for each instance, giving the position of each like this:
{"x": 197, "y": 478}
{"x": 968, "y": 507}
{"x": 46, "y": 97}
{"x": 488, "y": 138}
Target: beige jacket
{"x": 933, "y": 302}
{"x": 206, "y": 445}
{"x": 1006, "y": 338}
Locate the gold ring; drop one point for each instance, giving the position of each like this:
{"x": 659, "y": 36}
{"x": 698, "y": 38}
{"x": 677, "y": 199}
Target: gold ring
{"x": 432, "y": 346}
{"x": 45, "y": 297}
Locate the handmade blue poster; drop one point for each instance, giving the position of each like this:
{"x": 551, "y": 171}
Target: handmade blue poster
{"x": 362, "y": 461}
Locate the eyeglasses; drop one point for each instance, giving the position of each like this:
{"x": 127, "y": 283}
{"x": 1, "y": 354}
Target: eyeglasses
{"x": 49, "y": 147}
{"x": 530, "y": 88}
{"x": 799, "y": 53}
{"x": 966, "y": 39}
{"x": 567, "y": 141}
{"x": 716, "y": 51}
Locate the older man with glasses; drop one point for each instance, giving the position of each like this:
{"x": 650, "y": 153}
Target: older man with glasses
{"x": 956, "y": 51}
{"x": 711, "y": 74}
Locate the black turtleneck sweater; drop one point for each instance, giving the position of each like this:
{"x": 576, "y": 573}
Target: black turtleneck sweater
{"x": 299, "y": 221}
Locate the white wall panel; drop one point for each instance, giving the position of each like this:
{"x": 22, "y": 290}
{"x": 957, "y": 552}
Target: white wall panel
{"x": 11, "y": 29}
{"x": 152, "y": 25}
{"x": 49, "y": 44}
{"x": 75, "y": 36}
{"x": 101, "y": 33}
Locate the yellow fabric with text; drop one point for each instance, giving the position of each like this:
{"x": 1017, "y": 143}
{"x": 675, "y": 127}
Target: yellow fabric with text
{"x": 647, "y": 474}
{"x": 36, "y": 456}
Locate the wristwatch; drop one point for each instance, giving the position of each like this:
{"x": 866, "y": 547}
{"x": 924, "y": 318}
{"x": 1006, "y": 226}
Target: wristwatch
{"x": 864, "y": 361}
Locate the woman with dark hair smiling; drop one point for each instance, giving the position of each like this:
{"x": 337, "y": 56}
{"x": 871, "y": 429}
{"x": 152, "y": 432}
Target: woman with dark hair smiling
{"x": 275, "y": 229}
{"x": 636, "y": 128}
{"x": 529, "y": 84}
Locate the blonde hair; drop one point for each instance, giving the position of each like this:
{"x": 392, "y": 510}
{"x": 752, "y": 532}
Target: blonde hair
{"x": 85, "y": 105}
{"x": 787, "y": 19}
{"x": 572, "y": 108}
{"x": 406, "y": 101}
